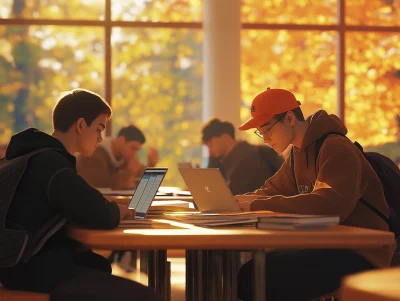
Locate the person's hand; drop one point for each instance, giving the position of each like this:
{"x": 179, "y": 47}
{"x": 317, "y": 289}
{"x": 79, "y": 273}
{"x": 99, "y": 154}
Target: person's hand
{"x": 244, "y": 206}
{"x": 244, "y": 201}
{"x": 152, "y": 157}
{"x": 125, "y": 212}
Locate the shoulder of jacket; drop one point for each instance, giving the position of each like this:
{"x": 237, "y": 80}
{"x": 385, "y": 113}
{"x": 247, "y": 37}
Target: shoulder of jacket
{"x": 51, "y": 155}
{"x": 338, "y": 143}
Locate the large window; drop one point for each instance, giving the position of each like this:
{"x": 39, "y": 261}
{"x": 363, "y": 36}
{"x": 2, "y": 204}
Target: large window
{"x": 300, "y": 61}
{"x": 39, "y": 62}
{"x": 157, "y": 86}
{"x": 145, "y": 58}
{"x": 342, "y": 56}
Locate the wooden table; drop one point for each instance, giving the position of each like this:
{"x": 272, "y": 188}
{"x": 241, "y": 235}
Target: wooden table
{"x": 382, "y": 285}
{"x": 194, "y": 238}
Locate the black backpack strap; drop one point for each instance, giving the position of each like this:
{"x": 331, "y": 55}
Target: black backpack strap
{"x": 318, "y": 145}
{"x": 292, "y": 166}
{"x": 375, "y": 210}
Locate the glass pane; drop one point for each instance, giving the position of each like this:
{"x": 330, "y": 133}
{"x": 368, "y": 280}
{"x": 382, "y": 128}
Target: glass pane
{"x": 157, "y": 10}
{"x": 157, "y": 86}
{"x": 39, "y": 62}
{"x": 376, "y": 12}
{"x": 289, "y": 11}
{"x": 300, "y": 61}
{"x": 53, "y": 9}
{"x": 372, "y": 91}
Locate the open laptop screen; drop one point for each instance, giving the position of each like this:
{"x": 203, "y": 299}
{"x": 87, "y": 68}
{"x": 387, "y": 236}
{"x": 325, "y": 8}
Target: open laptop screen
{"x": 146, "y": 190}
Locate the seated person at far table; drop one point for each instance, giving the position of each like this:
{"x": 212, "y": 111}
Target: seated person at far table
{"x": 331, "y": 183}
{"x": 244, "y": 166}
{"x": 115, "y": 162}
{"x": 3, "y": 149}
{"x": 49, "y": 195}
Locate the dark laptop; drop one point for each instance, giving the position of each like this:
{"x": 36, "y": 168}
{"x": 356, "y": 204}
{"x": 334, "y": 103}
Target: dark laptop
{"x": 145, "y": 192}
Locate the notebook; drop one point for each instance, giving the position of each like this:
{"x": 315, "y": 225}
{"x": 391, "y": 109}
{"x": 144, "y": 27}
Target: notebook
{"x": 300, "y": 219}
{"x": 209, "y": 190}
{"x": 145, "y": 192}
{"x": 297, "y": 222}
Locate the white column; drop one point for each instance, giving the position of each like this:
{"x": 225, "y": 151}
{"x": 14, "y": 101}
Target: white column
{"x": 221, "y": 60}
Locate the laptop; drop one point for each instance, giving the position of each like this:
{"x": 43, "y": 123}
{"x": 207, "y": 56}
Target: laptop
{"x": 209, "y": 190}
{"x": 145, "y": 192}
{"x": 185, "y": 165}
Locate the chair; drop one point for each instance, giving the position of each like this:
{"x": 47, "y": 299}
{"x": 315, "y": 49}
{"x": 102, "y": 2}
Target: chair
{"x": 334, "y": 296}
{"x": 11, "y": 295}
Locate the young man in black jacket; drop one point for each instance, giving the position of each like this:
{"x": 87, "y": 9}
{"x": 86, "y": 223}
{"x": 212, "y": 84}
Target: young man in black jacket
{"x": 50, "y": 187}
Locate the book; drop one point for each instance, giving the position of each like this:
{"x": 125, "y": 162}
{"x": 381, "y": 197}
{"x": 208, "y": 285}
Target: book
{"x": 215, "y": 219}
{"x": 293, "y": 227}
{"x": 300, "y": 219}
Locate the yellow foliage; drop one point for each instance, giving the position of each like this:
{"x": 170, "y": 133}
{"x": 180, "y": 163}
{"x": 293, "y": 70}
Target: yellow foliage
{"x": 11, "y": 88}
{"x": 157, "y": 11}
{"x": 373, "y": 12}
{"x": 372, "y": 89}
{"x": 10, "y": 107}
{"x": 289, "y": 11}
{"x": 157, "y": 72}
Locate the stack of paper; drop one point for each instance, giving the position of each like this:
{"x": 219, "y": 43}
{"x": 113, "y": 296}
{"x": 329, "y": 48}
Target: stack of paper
{"x": 216, "y": 219}
{"x": 159, "y": 207}
{"x": 297, "y": 222}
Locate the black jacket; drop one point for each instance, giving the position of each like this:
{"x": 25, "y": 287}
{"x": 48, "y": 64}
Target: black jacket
{"x": 50, "y": 186}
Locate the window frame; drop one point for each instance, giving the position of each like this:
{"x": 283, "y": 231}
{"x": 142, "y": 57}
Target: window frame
{"x": 341, "y": 28}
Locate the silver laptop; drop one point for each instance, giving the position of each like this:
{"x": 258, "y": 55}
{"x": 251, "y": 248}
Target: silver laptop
{"x": 146, "y": 190}
{"x": 185, "y": 165}
{"x": 209, "y": 190}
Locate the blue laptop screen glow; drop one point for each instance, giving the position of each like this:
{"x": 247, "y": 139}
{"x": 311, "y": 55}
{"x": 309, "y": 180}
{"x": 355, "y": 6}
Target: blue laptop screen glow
{"x": 146, "y": 190}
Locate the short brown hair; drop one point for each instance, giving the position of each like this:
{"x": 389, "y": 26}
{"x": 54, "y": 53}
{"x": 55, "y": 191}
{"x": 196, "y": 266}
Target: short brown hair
{"x": 297, "y": 112}
{"x": 215, "y": 128}
{"x": 78, "y": 103}
{"x": 132, "y": 133}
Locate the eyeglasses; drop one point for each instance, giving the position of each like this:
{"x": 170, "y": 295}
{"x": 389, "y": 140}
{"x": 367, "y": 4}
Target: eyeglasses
{"x": 268, "y": 130}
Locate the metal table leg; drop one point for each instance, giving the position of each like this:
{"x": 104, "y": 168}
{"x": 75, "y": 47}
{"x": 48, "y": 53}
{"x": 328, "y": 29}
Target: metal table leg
{"x": 168, "y": 281}
{"x": 259, "y": 275}
{"x": 143, "y": 257}
{"x": 211, "y": 275}
{"x": 157, "y": 261}
{"x": 189, "y": 289}
{"x": 230, "y": 268}
{"x": 198, "y": 274}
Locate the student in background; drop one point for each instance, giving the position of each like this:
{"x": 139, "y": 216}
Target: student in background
{"x": 331, "y": 183}
{"x": 115, "y": 162}
{"x": 244, "y": 166}
{"x": 50, "y": 189}
{"x": 3, "y": 149}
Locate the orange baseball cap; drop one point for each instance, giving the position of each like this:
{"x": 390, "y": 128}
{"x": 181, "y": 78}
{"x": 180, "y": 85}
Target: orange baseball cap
{"x": 267, "y": 104}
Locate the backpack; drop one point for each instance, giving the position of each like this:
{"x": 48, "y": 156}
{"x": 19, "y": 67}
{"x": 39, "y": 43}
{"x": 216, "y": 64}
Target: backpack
{"x": 388, "y": 173}
{"x": 16, "y": 244}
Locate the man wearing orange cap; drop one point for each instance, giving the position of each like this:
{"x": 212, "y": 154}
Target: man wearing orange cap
{"x": 331, "y": 183}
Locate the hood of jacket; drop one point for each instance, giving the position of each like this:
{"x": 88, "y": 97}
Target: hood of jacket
{"x": 32, "y": 139}
{"x": 322, "y": 123}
